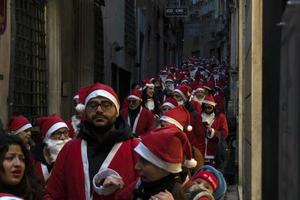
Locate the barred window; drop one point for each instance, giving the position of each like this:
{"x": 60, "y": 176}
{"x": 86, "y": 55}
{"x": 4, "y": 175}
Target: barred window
{"x": 29, "y": 71}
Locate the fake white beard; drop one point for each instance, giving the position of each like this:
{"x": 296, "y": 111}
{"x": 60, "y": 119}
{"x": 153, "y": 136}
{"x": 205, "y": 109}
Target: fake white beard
{"x": 209, "y": 118}
{"x": 54, "y": 147}
{"x": 150, "y": 104}
{"x": 170, "y": 87}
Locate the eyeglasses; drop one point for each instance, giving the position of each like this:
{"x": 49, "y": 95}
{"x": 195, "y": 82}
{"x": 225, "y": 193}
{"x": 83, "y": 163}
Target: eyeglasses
{"x": 60, "y": 134}
{"x": 105, "y": 105}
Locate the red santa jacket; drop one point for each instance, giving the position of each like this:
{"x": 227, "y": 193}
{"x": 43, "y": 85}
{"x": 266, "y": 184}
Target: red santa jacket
{"x": 42, "y": 170}
{"x": 144, "y": 121}
{"x": 197, "y": 136}
{"x": 70, "y": 176}
{"x": 219, "y": 124}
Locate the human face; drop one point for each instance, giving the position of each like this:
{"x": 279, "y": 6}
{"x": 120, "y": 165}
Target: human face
{"x": 13, "y": 165}
{"x": 165, "y": 109}
{"x": 150, "y": 91}
{"x": 101, "y": 112}
{"x": 25, "y": 135}
{"x": 148, "y": 171}
{"x": 178, "y": 98}
{"x": 208, "y": 109}
{"x": 205, "y": 185}
{"x": 199, "y": 94}
{"x": 133, "y": 103}
{"x": 60, "y": 134}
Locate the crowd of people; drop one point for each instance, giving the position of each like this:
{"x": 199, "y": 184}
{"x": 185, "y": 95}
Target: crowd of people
{"x": 160, "y": 143}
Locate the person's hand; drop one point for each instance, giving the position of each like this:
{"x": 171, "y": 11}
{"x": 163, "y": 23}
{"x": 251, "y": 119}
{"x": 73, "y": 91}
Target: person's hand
{"x": 166, "y": 195}
{"x": 113, "y": 180}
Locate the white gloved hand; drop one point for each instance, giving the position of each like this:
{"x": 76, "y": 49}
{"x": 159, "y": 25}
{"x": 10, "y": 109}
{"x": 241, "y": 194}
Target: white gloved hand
{"x": 112, "y": 181}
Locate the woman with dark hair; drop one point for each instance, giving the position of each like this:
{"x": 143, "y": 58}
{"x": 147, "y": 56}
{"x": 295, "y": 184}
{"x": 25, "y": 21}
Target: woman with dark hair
{"x": 17, "y": 174}
{"x": 150, "y": 100}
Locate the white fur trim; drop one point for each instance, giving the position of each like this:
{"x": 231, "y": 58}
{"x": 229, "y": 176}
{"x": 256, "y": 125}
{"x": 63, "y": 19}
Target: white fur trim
{"x": 10, "y": 198}
{"x": 103, "y": 174}
{"x": 54, "y": 128}
{"x": 168, "y": 104}
{"x": 212, "y": 133}
{"x": 199, "y": 89}
{"x": 143, "y": 151}
{"x": 76, "y": 97}
{"x": 134, "y": 97}
{"x": 190, "y": 163}
{"x": 209, "y": 102}
{"x": 85, "y": 163}
{"x": 103, "y": 93}
{"x": 149, "y": 84}
{"x": 181, "y": 93}
{"x": 23, "y": 128}
{"x": 172, "y": 121}
{"x": 80, "y": 107}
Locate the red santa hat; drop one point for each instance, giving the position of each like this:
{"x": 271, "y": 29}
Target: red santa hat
{"x": 166, "y": 148}
{"x": 209, "y": 85}
{"x": 209, "y": 99}
{"x": 184, "y": 91}
{"x": 178, "y": 116}
{"x": 171, "y": 102}
{"x": 199, "y": 87}
{"x": 49, "y": 125}
{"x": 135, "y": 94}
{"x": 147, "y": 83}
{"x": 170, "y": 78}
{"x": 209, "y": 177}
{"x": 18, "y": 124}
{"x": 94, "y": 90}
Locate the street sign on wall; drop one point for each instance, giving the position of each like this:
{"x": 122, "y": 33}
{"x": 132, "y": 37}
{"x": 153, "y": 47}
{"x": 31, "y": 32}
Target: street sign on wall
{"x": 2, "y": 16}
{"x": 176, "y": 12}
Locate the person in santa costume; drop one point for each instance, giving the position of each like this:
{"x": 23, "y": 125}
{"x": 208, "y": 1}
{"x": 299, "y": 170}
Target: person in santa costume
{"x": 149, "y": 98}
{"x": 206, "y": 184}
{"x": 17, "y": 175}
{"x": 74, "y": 123}
{"x": 168, "y": 104}
{"x": 20, "y": 126}
{"x": 54, "y": 134}
{"x": 199, "y": 93}
{"x": 101, "y": 160}
{"x": 196, "y": 136}
{"x": 215, "y": 127}
{"x": 140, "y": 119}
{"x": 182, "y": 94}
{"x": 180, "y": 117}
{"x": 162, "y": 153}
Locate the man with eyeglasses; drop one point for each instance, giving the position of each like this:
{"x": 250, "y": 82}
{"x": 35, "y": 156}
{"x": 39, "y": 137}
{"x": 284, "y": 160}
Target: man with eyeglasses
{"x": 215, "y": 127}
{"x": 54, "y": 134}
{"x": 101, "y": 160}
{"x": 139, "y": 119}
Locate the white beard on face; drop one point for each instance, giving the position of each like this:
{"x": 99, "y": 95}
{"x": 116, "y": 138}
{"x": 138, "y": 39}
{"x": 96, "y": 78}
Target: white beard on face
{"x": 150, "y": 104}
{"x": 54, "y": 147}
{"x": 170, "y": 87}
